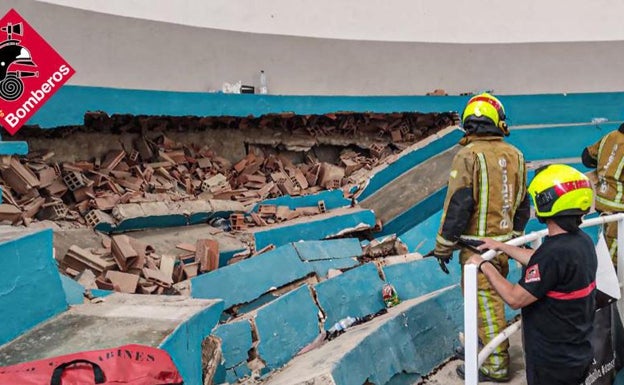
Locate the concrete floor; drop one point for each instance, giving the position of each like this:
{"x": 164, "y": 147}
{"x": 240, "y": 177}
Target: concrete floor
{"x": 446, "y": 374}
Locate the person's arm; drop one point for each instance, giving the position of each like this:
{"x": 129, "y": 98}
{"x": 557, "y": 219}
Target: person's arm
{"x": 589, "y": 157}
{"x": 514, "y": 295}
{"x": 458, "y": 205}
{"x": 520, "y": 254}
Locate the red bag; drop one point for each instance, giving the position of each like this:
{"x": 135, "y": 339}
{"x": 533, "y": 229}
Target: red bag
{"x": 128, "y": 364}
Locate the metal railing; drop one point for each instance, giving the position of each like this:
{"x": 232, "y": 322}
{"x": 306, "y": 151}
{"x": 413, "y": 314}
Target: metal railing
{"x": 473, "y": 358}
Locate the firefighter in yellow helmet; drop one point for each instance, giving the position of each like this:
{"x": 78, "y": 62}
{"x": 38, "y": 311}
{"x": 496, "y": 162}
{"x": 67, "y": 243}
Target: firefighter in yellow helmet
{"x": 486, "y": 197}
{"x": 607, "y": 157}
{"x": 557, "y": 290}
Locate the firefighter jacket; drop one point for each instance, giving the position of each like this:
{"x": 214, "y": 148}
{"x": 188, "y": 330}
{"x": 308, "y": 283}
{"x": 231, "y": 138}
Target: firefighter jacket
{"x": 486, "y": 194}
{"x": 607, "y": 157}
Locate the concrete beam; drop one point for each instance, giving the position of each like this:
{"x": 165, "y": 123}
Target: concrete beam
{"x": 175, "y": 324}
{"x": 247, "y": 280}
{"x": 330, "y": 224}
{"x": 30, "y": 287}
{"x": 384, "y": 347}
{"x": 285, "y": 326}
{"x": 355, "y": 293}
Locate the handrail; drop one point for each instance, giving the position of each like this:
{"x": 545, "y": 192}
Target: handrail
{"x": 474, "y": 359}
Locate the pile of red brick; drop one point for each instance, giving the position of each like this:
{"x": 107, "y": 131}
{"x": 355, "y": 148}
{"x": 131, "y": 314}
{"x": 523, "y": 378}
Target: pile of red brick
{"x": 128, "y": 265}
{"x": 34, "y": 189}
{"x": 160, "y": 169}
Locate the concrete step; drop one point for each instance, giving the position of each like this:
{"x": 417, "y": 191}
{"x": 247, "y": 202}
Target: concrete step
{"x": 173, "y": 323}
{"x": 413, "y": 337}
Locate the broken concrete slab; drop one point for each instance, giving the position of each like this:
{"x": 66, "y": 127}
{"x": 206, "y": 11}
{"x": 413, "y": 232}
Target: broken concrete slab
{"x": 261, "y": 273}
{"x": 333, "y": 199}
{"x": 333, "y": 223}
{"x": 27, "y": 269}
{"x": 322, "y": 268}
{"x": 414, "y": 279}
{"x": 373, "y": 181}
{"x": 385, "y": 346}
{"x": 285, "y": 326}
{"x": 355, "y": 293}
{"x": 147, "y": 215}
{"x": 328, "y": 249}
{"x": 236, "y": 341}
{"x": 74, "y": 292}
{"x": 173, "y": 323}
{"x": 134, "y": 216}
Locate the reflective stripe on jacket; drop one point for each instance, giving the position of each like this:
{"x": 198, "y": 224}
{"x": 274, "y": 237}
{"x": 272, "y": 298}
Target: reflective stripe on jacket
{"x": 487, "y": 187}
{"x": 607, "y": 156}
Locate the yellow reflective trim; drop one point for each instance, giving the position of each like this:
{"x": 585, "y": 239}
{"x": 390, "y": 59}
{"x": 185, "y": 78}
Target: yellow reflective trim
{"x": 453, "y": 174}
{"x": 521, "y": 191}
{"x": 615, "y": 205}
{"x": 602, "y": 143}
{"x": 618, "y": 173}
{"x": 440, "y": 239}
{"x": 488, "y": 317}
{"x": 483, "y": 196}
{"x": 500, "y": 238}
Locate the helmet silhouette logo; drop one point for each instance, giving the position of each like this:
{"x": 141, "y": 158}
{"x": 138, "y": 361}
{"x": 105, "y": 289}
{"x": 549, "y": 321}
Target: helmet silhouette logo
{"x": 31, "y": 71}
{"x": 14, "y": 54}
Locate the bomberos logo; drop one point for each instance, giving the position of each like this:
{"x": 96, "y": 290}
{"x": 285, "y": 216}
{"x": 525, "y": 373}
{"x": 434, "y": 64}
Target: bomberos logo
{"x": 31, "y": 71}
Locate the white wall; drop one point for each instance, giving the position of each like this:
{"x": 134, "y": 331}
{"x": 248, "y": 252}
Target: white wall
{"x": 113, "y": 51}
{"x": 434, "y": 21}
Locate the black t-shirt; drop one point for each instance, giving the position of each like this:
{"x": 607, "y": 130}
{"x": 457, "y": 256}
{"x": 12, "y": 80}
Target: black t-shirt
{"x": 562, "y": 275}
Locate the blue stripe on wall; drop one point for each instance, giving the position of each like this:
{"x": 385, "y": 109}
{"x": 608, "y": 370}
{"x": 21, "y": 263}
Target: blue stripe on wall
{"x": 68, "y": 105}
{"x": 559, "y": 141}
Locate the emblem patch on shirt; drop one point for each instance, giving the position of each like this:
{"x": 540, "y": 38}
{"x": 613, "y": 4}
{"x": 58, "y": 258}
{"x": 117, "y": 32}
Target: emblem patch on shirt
{"x": 532, "y": 274}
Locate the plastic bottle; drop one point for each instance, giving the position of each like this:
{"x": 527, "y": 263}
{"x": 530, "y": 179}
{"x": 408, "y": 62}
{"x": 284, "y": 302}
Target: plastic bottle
{"x": 342, "y": 324}
{"x": 263, "y": 83}
{"x": 599, "y": 120}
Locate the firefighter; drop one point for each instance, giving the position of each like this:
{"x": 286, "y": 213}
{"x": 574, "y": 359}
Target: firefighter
{"x": 607, "y": 157}
{"x": 486, "y": 198}
{"x": 557, "y": 290}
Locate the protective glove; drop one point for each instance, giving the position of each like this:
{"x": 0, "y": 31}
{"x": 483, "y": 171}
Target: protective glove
{"x": 443, "y": 259}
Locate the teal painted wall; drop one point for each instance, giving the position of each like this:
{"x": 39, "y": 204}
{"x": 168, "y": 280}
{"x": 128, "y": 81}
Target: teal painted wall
{"x": 184, "y": 344}
{"x": 285, "y": 326}
{"x": 236, "y": 341}
{"x": 333, "y": 199}
{"x": 28, "y": 276}
{"x": 74, "y": 292}
{"x": 417, "y": 278}
{"x": 414, "y": 341}
{"x": 355, "y": 293}
{"x": 552, "y": 142}
{"x": 68, "y": 105}
{"x": 247, "y": 280}
{"x": 314, "y": 228}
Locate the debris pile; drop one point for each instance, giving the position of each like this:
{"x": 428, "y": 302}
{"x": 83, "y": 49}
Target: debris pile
{"x": 128, "y": 265}
{"x": 158, "y": 169}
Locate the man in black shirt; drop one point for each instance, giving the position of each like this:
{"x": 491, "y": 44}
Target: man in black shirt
{"x": 557, "y": 289}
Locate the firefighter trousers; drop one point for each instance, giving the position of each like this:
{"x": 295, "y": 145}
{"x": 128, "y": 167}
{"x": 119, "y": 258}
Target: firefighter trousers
{"x": 491, "y": 316}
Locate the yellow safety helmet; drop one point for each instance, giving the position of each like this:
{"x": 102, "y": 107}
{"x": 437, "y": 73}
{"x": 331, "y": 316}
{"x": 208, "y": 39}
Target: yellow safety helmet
{"x": 486, "y": 113}
{"x": 558, "y": 189}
